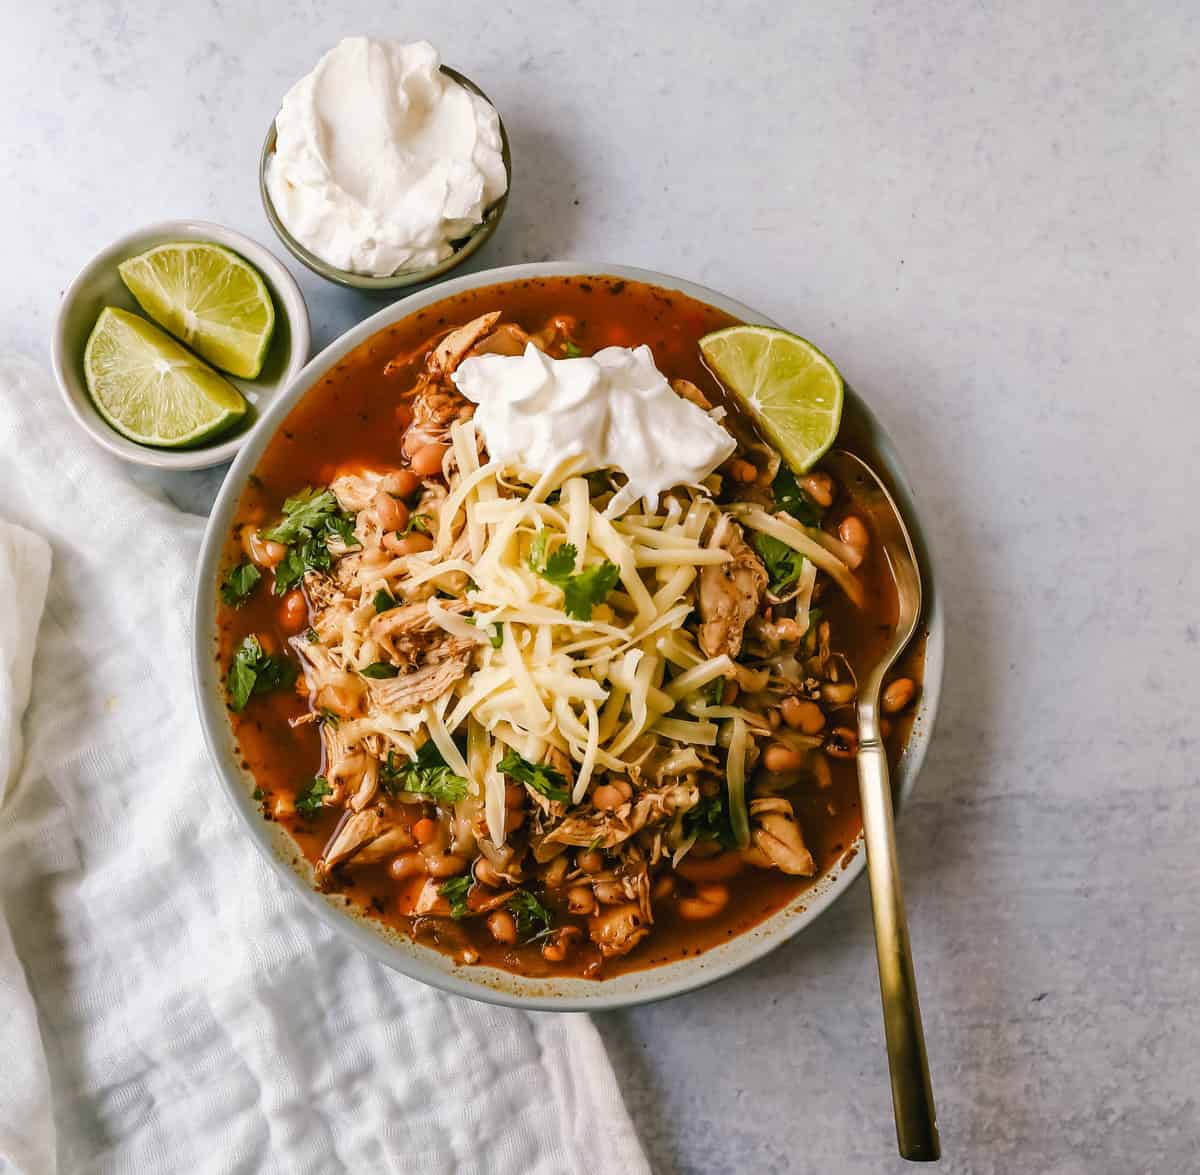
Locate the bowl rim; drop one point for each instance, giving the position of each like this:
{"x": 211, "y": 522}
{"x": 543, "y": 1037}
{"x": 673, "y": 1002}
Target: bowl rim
{"x": 423, "y": 963}
{"x": 289, "y": 302}
{"x": 472, "y": 242}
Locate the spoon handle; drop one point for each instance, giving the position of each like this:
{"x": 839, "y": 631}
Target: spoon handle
{"x": 912, "y": 1093}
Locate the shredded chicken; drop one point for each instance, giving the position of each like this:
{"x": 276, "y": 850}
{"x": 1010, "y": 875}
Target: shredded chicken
{"x": 730, "y": 593}
{"x": 777, "y": 839}
{"x": 422, "y": 685}
{"x": 616, "y": 930}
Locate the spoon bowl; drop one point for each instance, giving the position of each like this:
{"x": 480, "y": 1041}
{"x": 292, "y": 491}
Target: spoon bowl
{"x": 912, "y": 1092}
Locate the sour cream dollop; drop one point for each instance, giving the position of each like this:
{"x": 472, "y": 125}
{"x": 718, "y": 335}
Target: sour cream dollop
{"x": 381, "y": 160}
{"x": 615, "y": 409}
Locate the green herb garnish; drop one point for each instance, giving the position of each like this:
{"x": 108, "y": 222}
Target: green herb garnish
{"x": 255, "y": 672}
{"x": 417, "y": 522}
{"x": 783, "y": 564}
{"x": 309, "y": 801}
{"x": 709, "y": 820}
{"x": 544, "y": 780}
{"x": 455, "y": 892}
{"x": 570, "y": 350}
{"x": 310, "y": 519}
{"x": 428, "y": 774}
{"x": 379, "y": 670}
{"x": 384, "y": 601}
{"x": 312, "y": 636}
{"x": 791, "y": 498}
{"x": 582, "y": 592}
{"x": 239, "y": 583}
{"x": 533, "y": 920}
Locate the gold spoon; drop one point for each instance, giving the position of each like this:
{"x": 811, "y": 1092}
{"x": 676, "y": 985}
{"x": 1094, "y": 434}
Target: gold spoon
{"x": 912, "y": 1093}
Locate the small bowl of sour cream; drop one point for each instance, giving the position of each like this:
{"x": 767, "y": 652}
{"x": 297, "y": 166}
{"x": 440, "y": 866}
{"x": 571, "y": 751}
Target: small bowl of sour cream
{"x": 384, "y": 168}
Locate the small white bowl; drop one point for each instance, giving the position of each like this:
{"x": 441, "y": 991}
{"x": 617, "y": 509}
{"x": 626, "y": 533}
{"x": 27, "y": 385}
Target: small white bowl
{"x": 99, "y": 285}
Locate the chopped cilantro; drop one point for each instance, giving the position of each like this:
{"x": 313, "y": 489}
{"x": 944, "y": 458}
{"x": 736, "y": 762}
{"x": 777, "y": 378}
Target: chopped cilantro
{"x": 783, "y": 564}
{"x": 304, "y": 514}
{"x": 417, "y": 522}
{"x": 329, "y": 718}
{"x": 255, "y": 672}
{"x": 427, "y": 774}
{"x": 379, "y": 670}
{"x": 791, "y": 498}
{"x": 384, "y": 601}
{"x": 455, "y": 892}
{"x": 310, "y": 519}
{"x": 257, "y": 794}
{"x": 239, "y": 583}
{"x": 544, "y": 780}
{"x": 531, "y": 916}
{"x": 571, "y": 351}
{"x": 312, "y": 636}
{"x": 709, "y": 820}
{"x": 309, "y": 801}
{"x": 582, "y": 592}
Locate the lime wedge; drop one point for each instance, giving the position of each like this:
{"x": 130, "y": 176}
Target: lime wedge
{"x": 784, "y": 383}
{"x": 209, "y": 298}
{"x": 152, "y": 390}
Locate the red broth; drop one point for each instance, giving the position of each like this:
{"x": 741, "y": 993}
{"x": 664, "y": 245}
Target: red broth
{"x": 349, "y": 420}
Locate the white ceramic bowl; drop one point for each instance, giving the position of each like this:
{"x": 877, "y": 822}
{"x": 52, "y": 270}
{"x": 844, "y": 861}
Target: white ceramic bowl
{"x": 430, "y": 966}
{"x": 99, "y": 285}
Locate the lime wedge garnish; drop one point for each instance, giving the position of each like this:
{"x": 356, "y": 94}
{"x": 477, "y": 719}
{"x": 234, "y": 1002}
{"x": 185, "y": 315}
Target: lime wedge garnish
{"x": 152, "y": 390}
{"x": 209, "y": 298}
{"x": 784, "y": 383}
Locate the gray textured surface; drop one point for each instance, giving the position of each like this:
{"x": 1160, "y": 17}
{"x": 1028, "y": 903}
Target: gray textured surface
{"x": 987, "y": 215}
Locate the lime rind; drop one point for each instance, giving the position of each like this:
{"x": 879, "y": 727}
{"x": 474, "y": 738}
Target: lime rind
{"x": 208, "y": 297}
{"x": 790, "y": 387}
{"x": 150, "y": 389}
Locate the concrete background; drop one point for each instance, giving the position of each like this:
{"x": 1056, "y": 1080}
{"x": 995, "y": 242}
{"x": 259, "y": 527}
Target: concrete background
{"x": 987, "y": 214}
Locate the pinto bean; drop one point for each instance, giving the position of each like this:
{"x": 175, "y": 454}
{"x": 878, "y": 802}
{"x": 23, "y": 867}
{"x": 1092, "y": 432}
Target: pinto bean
{"x": 820, "y": 488}
{"x": 406, "y": 865}
{"x": 293, "y": 612}
{"x": 486, "y": 873}
{"x": 400, "y": 483}
{"x": 838, "y": 693}
{"x": 609, "y": 796}
{"x": 803, "y": 715}
{"x": 391, "y": 512}
{"x": 580, "y": 899}
{"x": 780, "y": 757}
{"x": 502, "y": 926}
{"x": 590, "y": 860}
{"x": 853, "y": 532}
{"x": 707, "y": 902}
{"x": 444, "y": 864}
{"x": 556, "y": 872}
{"x": 898, "y": 695}
{"x": 427, "y": 460}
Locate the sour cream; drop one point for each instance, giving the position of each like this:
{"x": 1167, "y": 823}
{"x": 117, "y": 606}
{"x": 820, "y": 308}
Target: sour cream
{"x": 615, "y": 410}
{"x": 381, "y": 160}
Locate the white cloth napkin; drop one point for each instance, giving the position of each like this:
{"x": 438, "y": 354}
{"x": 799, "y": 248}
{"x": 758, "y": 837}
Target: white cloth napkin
{"x": 194, "y": 1016}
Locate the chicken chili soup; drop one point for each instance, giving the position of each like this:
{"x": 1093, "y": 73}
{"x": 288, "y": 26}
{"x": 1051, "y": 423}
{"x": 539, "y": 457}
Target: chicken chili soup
{"x": 550, "y": 717}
